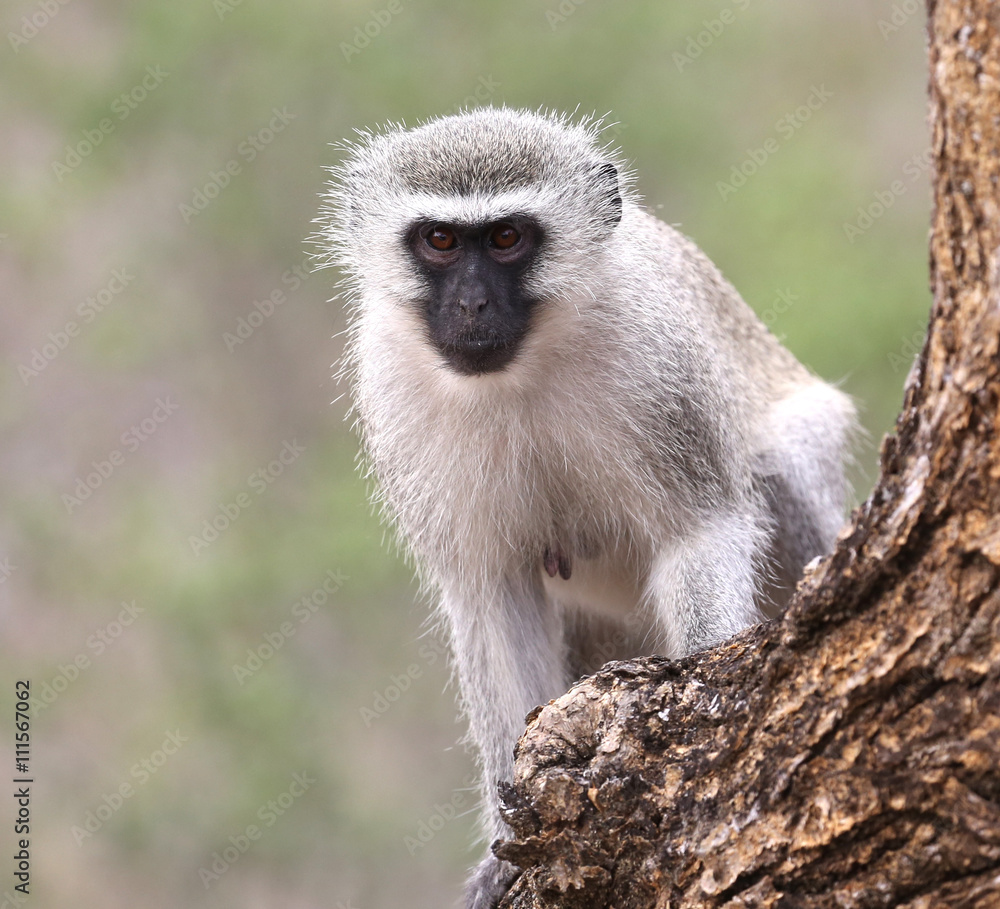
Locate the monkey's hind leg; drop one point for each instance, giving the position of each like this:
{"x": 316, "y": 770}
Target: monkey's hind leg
{"x": 704, "y": 587}
{"x": 802, "y": 479}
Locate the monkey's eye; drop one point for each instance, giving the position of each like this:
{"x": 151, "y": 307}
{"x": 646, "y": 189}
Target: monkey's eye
{"x": 503, "y": 236}
{"x": 441, "y": 238}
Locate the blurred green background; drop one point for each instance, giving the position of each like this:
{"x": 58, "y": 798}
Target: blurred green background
{"x": 161, "y": 165}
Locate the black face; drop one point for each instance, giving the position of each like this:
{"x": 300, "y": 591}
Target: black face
{"x": 477, "y": 313}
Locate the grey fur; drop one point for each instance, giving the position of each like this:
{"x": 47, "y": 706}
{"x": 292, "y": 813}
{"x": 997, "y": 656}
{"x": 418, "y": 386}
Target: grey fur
{"x": 651, "y": 429}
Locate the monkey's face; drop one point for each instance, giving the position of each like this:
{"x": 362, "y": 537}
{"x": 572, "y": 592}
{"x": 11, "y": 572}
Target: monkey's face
{"x": 472, "y": 244}
{"x": 476, "y": 310}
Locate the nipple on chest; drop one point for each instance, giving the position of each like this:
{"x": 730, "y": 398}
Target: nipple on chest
{"x": 557, "y": 562}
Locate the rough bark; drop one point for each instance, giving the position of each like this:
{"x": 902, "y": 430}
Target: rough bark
{"x": 847, "y": 755}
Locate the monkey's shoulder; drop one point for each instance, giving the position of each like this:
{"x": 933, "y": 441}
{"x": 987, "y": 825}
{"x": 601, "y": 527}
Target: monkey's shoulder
{"x": 720, "y": 315}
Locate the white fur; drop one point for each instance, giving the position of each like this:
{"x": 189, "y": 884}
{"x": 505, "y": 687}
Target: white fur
{"x": 650, "y": 427}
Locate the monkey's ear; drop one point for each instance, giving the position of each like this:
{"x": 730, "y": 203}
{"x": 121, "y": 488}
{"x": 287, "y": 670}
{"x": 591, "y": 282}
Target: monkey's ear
{"x": 606, "y": 177}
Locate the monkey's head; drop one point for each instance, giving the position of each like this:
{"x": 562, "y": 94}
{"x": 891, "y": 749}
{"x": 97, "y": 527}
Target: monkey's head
{"x": 473, "y": 223}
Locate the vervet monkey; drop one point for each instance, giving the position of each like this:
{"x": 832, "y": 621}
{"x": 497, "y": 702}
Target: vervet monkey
{"x": 589, "y": 442}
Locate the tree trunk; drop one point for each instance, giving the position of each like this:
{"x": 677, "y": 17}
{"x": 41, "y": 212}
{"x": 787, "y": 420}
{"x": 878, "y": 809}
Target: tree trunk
{"x": 848, "y": 754}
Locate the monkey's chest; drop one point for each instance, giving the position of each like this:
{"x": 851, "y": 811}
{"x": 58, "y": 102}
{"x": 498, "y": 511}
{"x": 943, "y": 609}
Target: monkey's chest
{"x": 603, "y": 586}
{"x": 595, "y": 556}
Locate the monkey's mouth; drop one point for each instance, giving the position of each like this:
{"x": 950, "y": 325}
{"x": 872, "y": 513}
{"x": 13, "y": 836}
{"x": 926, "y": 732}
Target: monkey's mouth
{"x": 478, "y": 354}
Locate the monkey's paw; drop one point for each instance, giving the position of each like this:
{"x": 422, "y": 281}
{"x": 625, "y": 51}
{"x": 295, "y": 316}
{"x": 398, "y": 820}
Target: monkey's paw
{"x": 489, "y": 882}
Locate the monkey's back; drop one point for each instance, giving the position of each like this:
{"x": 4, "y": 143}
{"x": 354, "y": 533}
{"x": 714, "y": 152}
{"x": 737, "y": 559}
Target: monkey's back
{"x": 758, "y": 361}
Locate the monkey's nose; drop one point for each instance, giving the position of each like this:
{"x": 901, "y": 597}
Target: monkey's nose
{"x": 473, "y": 305}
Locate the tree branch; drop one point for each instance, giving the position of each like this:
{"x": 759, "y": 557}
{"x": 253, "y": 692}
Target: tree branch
{"x": 847, "y": 755}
